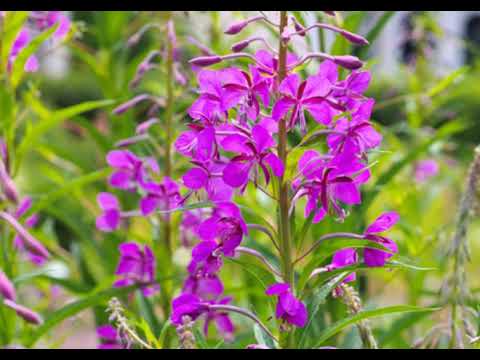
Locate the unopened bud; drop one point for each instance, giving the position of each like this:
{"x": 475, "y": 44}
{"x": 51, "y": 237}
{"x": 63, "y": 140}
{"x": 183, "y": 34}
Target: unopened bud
{"x": 236, "y": 28}
{"x": 206, "y": 60}
{"x": 130, "y": 103}
{"x": 239, "y": 46}
{"x": 24, "y": 312}
{"x": 143, "y": 127}
{"x": 348, "y": 61}
{"x": 354, "y": 38}
{"x": 7, "y": 290}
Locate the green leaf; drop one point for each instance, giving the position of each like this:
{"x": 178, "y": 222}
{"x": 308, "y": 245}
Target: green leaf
{"x": 262, "y": 338}
{"x": 74, "y": 308}
{"x": 447, "y": 81}
{"x": 149, "y": 335}
{"x": 367, "y": 314}
{"x": 26, "y": 52}
{"x": 55, "y": 118}
{"x": 375, "y": 31}
{"x": 68, "y": 188}
{"x": 446, "y": 130}
{"x": 167, "y": 326}
{"x": 319, "y": 297}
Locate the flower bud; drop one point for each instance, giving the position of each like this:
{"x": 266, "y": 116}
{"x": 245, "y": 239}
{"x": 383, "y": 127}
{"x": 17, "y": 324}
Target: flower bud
{"x": 239, "y": 46}
{"x": 206, "y": 60}
{"x": 7, "y": 290}
{"x": 7, "y": 184}
{"x": 143, "y": 127}
{"x": 354, "y": 38}
{"x": 130, "y": 103}
{"x": 24, "y": 312}
{"x": 348, "y": 61}
{"x": 236, "y": 28}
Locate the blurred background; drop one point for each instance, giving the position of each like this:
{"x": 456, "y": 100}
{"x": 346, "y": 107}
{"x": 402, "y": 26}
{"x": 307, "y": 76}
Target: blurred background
{"x": 425, "y": 80}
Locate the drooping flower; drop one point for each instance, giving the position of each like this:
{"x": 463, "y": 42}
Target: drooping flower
{"x": 109, "y": 338}
{"x": 253, "y": 152}
{"x": 163, "y": 196}
{"x": 310, "y": 95}
{"x": 205, "y": 259}
{"x": 376, "y": 257}
{"x": 187, "y": 305}
{"x": 109, "y": 220}
{"x": 289, "y": 308}
{"x": 205, "y": 287}
{"x": 425, "y": 169}
{"x": 136, "y": 266}
{"x": 226, "y": 225}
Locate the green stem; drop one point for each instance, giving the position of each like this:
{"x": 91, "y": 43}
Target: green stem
{"x": 283, "y": 224}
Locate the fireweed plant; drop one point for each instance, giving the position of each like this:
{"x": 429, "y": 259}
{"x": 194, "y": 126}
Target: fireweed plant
{"x": 21, "y": 34}
{"x": 253, "y": 126}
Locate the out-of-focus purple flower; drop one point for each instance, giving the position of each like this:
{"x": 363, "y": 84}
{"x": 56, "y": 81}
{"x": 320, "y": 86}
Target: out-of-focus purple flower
{"x": 130, "y": 170}
{"x": 109, "y": 338}
{"x": 136, "y": 266}
{"x": 310, "y": 95}
{"x": 376, "y": 257}
{"x": 189, "y": 226}
{"x": 425, "y": 169}
{"x": 252, "y": 151}
{"x": 162, "y": 196}
{"x": 46, "y": 19}
{"x": 30, "y": 222}
{"x": 247, "y": 87}
{"x": 21, "y": 41}
{"x": 221, "y": 319}
{"x": 143, "y": 127}
{"x": 359, "y": 131}
{"x": 206, "y": 287}
{"x": 27, "y": 314}
{"x": 7, "y": 184}
{"x": 109, "y": 220}
{"x": 226, "y": 225}
{"x": 7, "y": 290}
{"x": 342, "y": 258}
{"x": 289, "y": 308}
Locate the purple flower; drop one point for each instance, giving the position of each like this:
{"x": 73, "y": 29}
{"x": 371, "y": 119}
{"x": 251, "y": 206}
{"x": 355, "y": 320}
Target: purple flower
{"x": 47, "y": 19}
{"x": 109, "y": 338}
{"x": 214, "y": 101}
{"x": 240, "y": 84}
{"x": 222, "y": 320}
{"x": 206, "y": 287}
{"x": 136, "y": 266}
{"x": 310, "y": 95}
{"x": 208, "y": 176}
{"x": 187, "y": 305}
{"x": 21, "y": 41}
{"x": 289, "y": 308}
{"x": 326, "y": 183}
{"x": 226, "y": 225}
{"x": 189, "y": 225}
{"x": 254, "y": 150}
{"x": 359, "y": 131}
{"x": 205, "y": 259}
{"x": 268, "y": 64}
{"x": 130, "y": 170}
{"x": 109, "y": 220}
{"x": 7, "y": 290}
{"x": 163, "y": 196}
{"x": 198, "y": 143}
{"x": 31, "y": 221}
{"x": 375, "y": 257}
{"x": 425, "y": 169}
